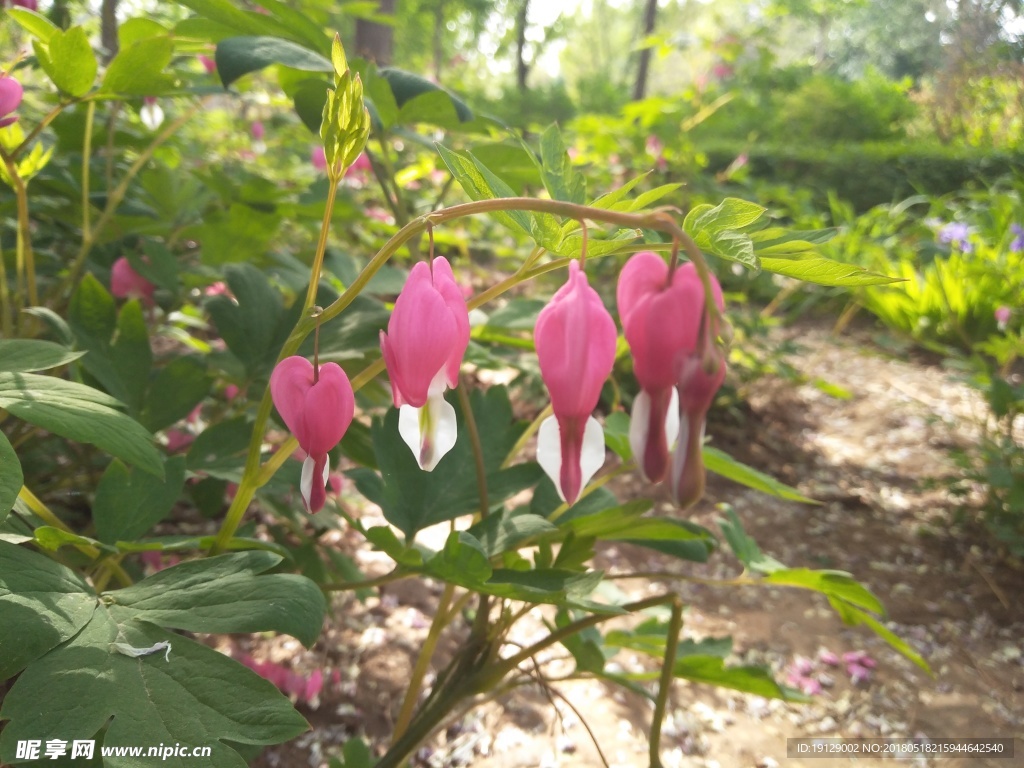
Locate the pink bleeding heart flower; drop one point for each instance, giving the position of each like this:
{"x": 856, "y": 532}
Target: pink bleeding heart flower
{"x": 575, "y": 339}
{"x": 126, "y": 283}
{"x": 318, "y": 411}
{"x": 208, "y": 64}
{"x": 661, "y": 319}
{"x": 318, "y": 157}
{"x": 700, "y": 377}
{"x": 32, "y": 5}
{"x": 423, "y": 348}
{"x": 11, "y": 93}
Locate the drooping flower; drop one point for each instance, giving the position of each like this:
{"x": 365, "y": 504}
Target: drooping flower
{"x": 151, "y": 114}
{"x": 575, "y": 339}
{"x": 661, "y": 320}
{"x": 677, "y": 365}
{"x": 1003, "y": 315}
{"x": 11, "y": 93}
{"x": 318, "y": 410}
{"x": 957, "y": 234}
{"x": 1017, "y": 244}
{"x": 126, "y": 283}
{"x": 423, "y": 348}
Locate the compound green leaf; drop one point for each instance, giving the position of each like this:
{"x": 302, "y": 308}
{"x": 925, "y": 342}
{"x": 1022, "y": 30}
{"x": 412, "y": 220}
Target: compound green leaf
{"x": 128, "y": 502}
{"x": 179, "y": 693}
{"x": 43, "y": 605}
{"x": 138, "y": 70}
{"x": 225, "y": 594}
{"x": 11, "y": 477}
{"x": 68, "y": 60}
{"x": 80, "y": 413}
{"x": 29, "y": 355}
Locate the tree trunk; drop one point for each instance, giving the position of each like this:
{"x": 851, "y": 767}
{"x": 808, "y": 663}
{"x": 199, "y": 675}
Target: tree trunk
{"x": 374, "y": 41}
{"x": 108, "y": 28}
{"x": 522, "y": 70}
{"x": 650, "y": 15}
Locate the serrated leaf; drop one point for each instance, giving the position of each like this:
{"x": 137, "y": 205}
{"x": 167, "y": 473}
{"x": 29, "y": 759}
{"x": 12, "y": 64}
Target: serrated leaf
{"x": 138, "y": 70}
{"x": 128, "y": 502}
{"x": 238, "y": 56}
{"x": 30, "y": 355}
{"x": 80, "y": 413}
{"x": 725, "y": 465}
{"x": 480, "y": 184}
{"x": 225, "y": 594}
{"x": 68, "y": 60}
{"x": 11, "y": 477}
{"x": 193, "y": 695}
{"x": 561, "y": 180}
{"x": 43, "y": 604}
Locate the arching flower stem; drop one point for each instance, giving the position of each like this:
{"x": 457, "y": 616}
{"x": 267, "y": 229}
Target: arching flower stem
{"x": 253, "y": 477}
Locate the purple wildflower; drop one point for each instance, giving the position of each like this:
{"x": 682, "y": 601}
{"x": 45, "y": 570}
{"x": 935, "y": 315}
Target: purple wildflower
{"x": 956, "y": 234}
{"x": 1017, "y": 244}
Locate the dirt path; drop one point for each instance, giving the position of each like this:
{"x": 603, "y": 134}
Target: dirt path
{"x": 865, "y": 458}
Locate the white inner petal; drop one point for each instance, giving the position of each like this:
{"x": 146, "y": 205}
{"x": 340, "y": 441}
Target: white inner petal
{"x": 430, "y": 431}
{"x": 306, "y": 481}
{"x": 639, "y": 421}
{"x": 593, "y": 453}
{"x": 679, "y": 457}
{"x": 672, "y": 418}
{"x": 549, "y": 452}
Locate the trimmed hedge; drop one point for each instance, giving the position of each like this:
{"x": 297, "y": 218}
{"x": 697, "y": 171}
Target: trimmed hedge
{"x": 867, "y": 175}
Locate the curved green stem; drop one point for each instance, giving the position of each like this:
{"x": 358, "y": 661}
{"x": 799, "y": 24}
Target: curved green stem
{"x": 25, "y": 268}
{"x": 675, "y": 626}
{"x": 90, "y": 114}
{"x": 321, "y": 245}
{"x": 252, "y": 478}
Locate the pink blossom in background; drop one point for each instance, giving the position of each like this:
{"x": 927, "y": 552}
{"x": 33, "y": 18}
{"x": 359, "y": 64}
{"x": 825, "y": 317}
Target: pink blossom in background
{"x": 1003, "y": 315}
{"x": 318, "y": 158}
{"x": 360, "y": 169}
{"x": 379, "y": 214}
{"x": 11, "y": 94}
{"x": 231, "y": 392}
{"x": 257, "y": 131}
{"x": 126, "y": 283}
{"x": 656, "y": 150}
{"x": 178, "y": 440}
{"x": 219, "y": 288}
{"x": 32, "y": 5}
{"x": 575, "y": 338}
{"x": 208, "y": 64}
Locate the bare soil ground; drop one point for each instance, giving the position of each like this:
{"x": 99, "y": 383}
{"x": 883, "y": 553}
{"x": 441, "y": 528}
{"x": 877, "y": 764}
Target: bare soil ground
{"x": 867, "y": 459}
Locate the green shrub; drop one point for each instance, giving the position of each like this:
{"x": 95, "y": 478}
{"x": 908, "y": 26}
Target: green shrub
{"x": 869, "y": 174}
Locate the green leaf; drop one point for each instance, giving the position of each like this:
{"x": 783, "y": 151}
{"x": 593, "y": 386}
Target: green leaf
{"x": 853, "y": 616}
{"x": 679, "y": 538}
{"x": 11, "y": 477}
{"x": 725, "y": 465}
{"x": 138, "y": 70}
{"x": 131, "y": 354}
{"x": 383, "y": 538}
{"x": 377, "y": 91}
{"x": 744, "y": 547}
{"x": 43, "y": 604}
{"x": 174, "y": 392}
{"x": 49, "y": 537}
{"x": 68, "y": 60}
{"x": 249, "y": 323}
{"x": 29, "y": 355}
{"x": 834, "y": 584}
{"x": 731, "y": 213}
{"x": 193, "y": 695}
{"x": 139, "y": 28}
{"x": 238, "y": 56}
{"x": 814, "y": 268}
{"x": 712, "y": 670}
{"x": 616, "y": 434}
{"x": 560, "y": 179}
{"x": 309, "y": 99}
{"x": 357, "y": 754}
{"x": 555, "y": 586}
{"x": 34, "y": 23}
{"x": 79, "y": 413}
{"x": 241, "y": 234}
{"x": 505, "y": 531}
{"x": 225, "y": 594}
{"x": 412, "y": 499}
{"x": 128, "y": 502}
{"x": 462, "y": 561}
{"x": 225, "y": 14}
{"x": 406, "y": 87}
{"x": 585, "y": 646}
{"x": 221, "y": 448}
{"x": 480, "y": 184}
